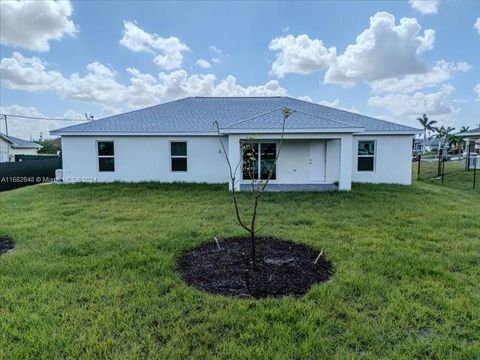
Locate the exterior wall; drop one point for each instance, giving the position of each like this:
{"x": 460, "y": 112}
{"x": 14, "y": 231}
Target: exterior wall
{"x": 293, "y": 163}
{"x": 14, "y": 151}
{"x": 4, "y": 151}
{"x": 147, "y": 158}
{"x": 333, "y": 161}
{"x": 296, "y": 159}
{"x": 144, "y": 159}
{"x": 393, "y": 160}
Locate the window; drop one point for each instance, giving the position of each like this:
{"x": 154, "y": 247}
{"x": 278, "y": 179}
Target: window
{"x": 258, "y": 158}
{"x": 366, "y": 155}
{"x": 106, "y": 156}
{"x": 178, "y": 153}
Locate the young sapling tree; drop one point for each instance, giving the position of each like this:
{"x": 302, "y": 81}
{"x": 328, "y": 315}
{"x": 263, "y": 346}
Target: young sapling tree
{"x": 248, "y": 163}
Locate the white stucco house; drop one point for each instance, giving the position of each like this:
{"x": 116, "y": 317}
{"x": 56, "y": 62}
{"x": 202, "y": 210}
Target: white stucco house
{"x": 11, "y": 146}
{"x": 324, "y": 148}
{"x": 472, "y": 147}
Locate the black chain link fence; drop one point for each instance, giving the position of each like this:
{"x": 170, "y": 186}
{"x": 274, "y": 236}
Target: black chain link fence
{"x": 454, "y": 171}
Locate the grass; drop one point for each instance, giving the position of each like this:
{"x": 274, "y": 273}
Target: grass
{"x": 93, "y": 274}
{"x": 455, "y": 174}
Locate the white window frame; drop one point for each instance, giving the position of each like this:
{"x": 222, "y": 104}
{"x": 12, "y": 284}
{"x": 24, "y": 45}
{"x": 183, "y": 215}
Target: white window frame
{"x": 105, "y": 156}
{"x": 178, "y": 156}
{"x": 374, "y": 156}
{"x": 259, "y": 160}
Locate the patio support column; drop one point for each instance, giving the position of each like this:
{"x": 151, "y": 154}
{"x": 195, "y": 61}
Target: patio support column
{"x": 234, "y": 156}
{"x": 346, "y": 155}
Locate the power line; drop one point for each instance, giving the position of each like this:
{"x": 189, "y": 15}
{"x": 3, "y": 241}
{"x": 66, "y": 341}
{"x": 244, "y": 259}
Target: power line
{"x": 41, "y": 118}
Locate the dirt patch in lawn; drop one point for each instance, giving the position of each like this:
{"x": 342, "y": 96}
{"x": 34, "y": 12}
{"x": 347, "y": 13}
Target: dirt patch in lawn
{"x": 283, "y": 268}
{"x": 6, "y": 243}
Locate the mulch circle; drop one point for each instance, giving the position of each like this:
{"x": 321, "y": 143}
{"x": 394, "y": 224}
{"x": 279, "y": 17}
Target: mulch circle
{"x": 283, "y": 268}
{"x": 6, "y": 243}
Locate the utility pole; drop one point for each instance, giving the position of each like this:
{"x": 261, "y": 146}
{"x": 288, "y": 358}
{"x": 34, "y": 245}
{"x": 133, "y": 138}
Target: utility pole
{"x": 6, "y": 124}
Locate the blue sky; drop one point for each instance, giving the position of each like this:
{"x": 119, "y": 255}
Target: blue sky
{"x": 108, "y": 57}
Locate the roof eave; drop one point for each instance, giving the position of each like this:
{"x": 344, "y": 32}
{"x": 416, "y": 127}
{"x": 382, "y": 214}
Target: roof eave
{"x": 468, "y": 134}
{"x": 27, "y": 147}
{"x": 293, "y": 131}
{"x": 393, "y": 132}
{"x": 127, "y": 133}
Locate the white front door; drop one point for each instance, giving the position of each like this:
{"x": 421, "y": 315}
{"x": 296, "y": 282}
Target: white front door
{"x": 317, "y": 160}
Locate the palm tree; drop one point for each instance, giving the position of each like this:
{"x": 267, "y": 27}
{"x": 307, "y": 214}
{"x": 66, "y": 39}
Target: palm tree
{"x": 443, "y": 134}
{"x": 458, "y": 140}
{"x": 464, "y": 129}
{"x": 427, "y": 126}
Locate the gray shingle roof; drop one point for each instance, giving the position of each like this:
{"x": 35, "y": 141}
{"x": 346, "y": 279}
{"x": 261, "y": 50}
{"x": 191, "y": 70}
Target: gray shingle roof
{"x": 20, "y": 143}
{"x": 471, "y": 132}
{"x": 298, "y": 119}
{"x": 197, "y": 114}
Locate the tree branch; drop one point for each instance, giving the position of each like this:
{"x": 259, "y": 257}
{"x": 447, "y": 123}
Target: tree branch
{"x": 232, "y": 179}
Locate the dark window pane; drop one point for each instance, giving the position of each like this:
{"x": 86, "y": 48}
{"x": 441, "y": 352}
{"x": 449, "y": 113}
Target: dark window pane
{"x": 178, "y": 148}
{"x": 267, "y": 159}
{"x": 105, "y": 148}
{"x": 106, "y": 164}
{"x": 250, "y": 160}
{"x": 179, "y": 164}
{"x": 365, "y": 163}
{"x": 366, "y": 147}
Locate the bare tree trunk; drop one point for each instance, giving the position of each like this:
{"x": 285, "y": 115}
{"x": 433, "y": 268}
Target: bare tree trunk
{"x": 257, "y": 189}
{"x": 424, "y": 140}
{"x": 252, "y": 236}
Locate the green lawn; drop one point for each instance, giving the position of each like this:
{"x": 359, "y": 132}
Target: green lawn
{"x": 455, "y": 174}
{"x": 93, "y": 274}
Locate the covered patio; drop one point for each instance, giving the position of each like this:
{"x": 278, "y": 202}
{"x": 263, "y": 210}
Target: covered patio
{"x": 313, "y": 162}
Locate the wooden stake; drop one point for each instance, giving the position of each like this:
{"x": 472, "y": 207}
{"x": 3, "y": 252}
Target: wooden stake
{"x": 218, "y": 244}
{"x": 318, "y": 257}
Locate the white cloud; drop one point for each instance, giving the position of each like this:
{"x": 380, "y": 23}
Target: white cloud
{"x": 384, "y": 50}
{"x": 300, "y": 55}
{"x": 305, "y": 98}
{"x": 477, "y": 90}
{"x": 215, "y": 50}
{"x": 169, "y": 51}
{"x": 144, "y": 89}
{"x": 203, "y": 63}
{"x": 286, "y": 29}
{"x": 437, "y": 103}
{"x": 218, "y": 54}
{"x": 336, "y": 104}
{"x": 33, "y": 24}
{"x": 425, "y": 6}
{"x": 72, "y": 114}
{"x": 477, "y": 25}
{"x": 99, "y": 85}
{"x": 31, "y": 128}
{"x": 20, "y": 110}
{"x": 229, "y": 87}
{"x": 30, "y": 74}
{"x": 135, "y": 38}
{"x": 442, "y": 71}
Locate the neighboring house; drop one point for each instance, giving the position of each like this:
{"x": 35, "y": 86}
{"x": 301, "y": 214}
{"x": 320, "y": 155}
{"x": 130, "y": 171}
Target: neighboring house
{"x": 472, "y": 146}
{"x": 177, "y": 141}
{"x": 431, "y": 144}
{"x": 11, "y": 146}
